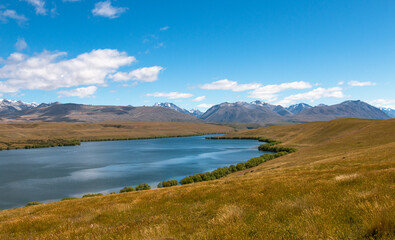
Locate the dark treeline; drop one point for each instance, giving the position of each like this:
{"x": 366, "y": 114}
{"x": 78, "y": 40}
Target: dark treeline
{"x": 53, "y": 143}
{"x": 222, "y": 172}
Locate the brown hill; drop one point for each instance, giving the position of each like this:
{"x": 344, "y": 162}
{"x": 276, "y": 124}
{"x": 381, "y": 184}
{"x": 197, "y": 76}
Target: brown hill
{"x": 90, "y": 113}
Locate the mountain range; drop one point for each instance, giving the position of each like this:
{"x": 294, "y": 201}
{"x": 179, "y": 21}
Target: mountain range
{"x": 389, "y": 111}
{"x": 242, "y": 112}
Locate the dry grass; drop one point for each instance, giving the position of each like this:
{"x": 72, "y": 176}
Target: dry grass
{"x": 339, "y": 185}
{"x": 19, "y": 135}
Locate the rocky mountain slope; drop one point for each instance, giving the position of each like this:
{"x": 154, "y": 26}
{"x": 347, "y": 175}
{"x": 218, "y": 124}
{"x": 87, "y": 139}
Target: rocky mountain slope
{"x": 89, "y": 113}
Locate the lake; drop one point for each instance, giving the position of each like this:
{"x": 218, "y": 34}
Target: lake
{"x": 50, "y": 174}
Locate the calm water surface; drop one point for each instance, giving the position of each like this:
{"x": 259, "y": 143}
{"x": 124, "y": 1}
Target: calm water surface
{"x": 50, "y": 174}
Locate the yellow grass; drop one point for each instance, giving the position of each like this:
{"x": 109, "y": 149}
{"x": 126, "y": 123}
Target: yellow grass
{"x": 340, "y": 184}
{"x": 20, "y": 135}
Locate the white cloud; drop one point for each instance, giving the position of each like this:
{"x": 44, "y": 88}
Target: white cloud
{"x": 105, "y": 9}
{"x": 46, "y": 72}
{"x": 71, "y": 0}
{"x": 340, "y": 83}
{"x": 199, "y": 99}
{"x": 11, "y": 14}
{"x": 20, "y": 44}
{"x": 386, "y": 103}
{"x": 79, "y": 92}
{"x": 360, "y": 84}
{"x": 226, "y": 84}
{"x": 318, "y": 93}
{"x": 170, "y": 95}
{"x": 146, "y": 74}
{"x": 39, "y": 6}
{"x": 205, "y": 105}
{"x": 164, "y": 28}
{"x": 269, "y": 92}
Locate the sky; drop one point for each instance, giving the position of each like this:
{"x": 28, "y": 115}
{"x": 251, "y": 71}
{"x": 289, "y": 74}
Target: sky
{"x": 197, "y": 53}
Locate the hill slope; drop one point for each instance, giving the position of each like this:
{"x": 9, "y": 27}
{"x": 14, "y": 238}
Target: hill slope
{"x": 339, "y": 185}
{"x": 90, "y": 113}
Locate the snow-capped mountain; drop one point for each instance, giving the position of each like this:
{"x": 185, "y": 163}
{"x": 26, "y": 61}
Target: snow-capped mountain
{"x": 389, "y": 111}
{"x": 297, "y": 108}
{"x": 12, "y": 105}
{"x": 194, "y": 112}
{"x": 172, "y": 106}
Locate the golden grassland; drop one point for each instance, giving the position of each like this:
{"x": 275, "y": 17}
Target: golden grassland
{"x": 340, "y": 184}
{"x": 21, "y": 135}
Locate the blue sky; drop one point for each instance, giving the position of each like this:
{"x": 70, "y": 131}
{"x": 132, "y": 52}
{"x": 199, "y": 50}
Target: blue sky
{"x": 197, "y": 53}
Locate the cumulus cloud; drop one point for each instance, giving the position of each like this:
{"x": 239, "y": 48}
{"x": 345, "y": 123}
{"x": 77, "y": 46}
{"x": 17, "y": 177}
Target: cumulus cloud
{"x": 205, "y": 105}
{"x": 199, "y": 99}
{"x": 170, "y": 95}
{"x": 12, "y": 14}
{"x": 315, "y": 94}
{"x": 360, "y": 84}
{"x": 269, "y": 92}
{"x": 39, "y": 6}
{"x": 46, "y": 71}
{"x": 164, "y": 28}
{"x": 386, "y": 103}
{"x": 20, "y": 44}
{"x": 146, "y": 74}
{"x": 104, "y": 9}
{"x": 79, "y": 92}
{"x": 226, "y": 84}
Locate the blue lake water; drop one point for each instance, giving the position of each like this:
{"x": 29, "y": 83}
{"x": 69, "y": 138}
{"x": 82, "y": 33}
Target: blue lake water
{"x": 50, "y": 174}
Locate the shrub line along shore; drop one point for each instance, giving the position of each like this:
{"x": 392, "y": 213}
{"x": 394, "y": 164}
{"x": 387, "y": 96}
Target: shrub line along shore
{"x": 217, "y": 173}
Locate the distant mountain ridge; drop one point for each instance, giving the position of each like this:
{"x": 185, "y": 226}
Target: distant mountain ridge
{"x": 71, "y": 112}
{"x": 258, "y": 112}
{"x": 243, "y": 112}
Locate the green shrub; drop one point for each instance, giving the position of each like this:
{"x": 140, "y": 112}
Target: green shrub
{"x": 186, "y": 180}
{"x": 168, "y": 183}
{"x": 68, "y": 198}
{"x": 143, "y": 186}
{"x": 92, "y": 195}
{"x": 232, "y": 168}
{"x": 240, "y": 166}
{"x": 32, "y": 204}
{"x": 126, "y": 189}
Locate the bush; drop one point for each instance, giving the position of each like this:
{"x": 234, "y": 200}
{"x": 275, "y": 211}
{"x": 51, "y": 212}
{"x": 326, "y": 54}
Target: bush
{"x": 143, "y": 186}
{"x": 186, "y": 180}
{"x": 240, "y": 166}
{"x": 68, "y": 198}
{"x": 167, "y": 183}
{"x": 126, "y": 189}
{"x": 232, "y": 168}
{"x": 92, "y": 195}
{"x": 32, "y": 204}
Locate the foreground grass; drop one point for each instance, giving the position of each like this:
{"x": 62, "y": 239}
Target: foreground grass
{"x": 32, "y": 135}
{"x": 338, "y": 185}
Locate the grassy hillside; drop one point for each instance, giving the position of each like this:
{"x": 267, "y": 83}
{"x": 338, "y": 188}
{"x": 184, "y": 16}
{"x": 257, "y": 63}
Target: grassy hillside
{"x": 338, "y": 185}
{"x": 20, "y": 135}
